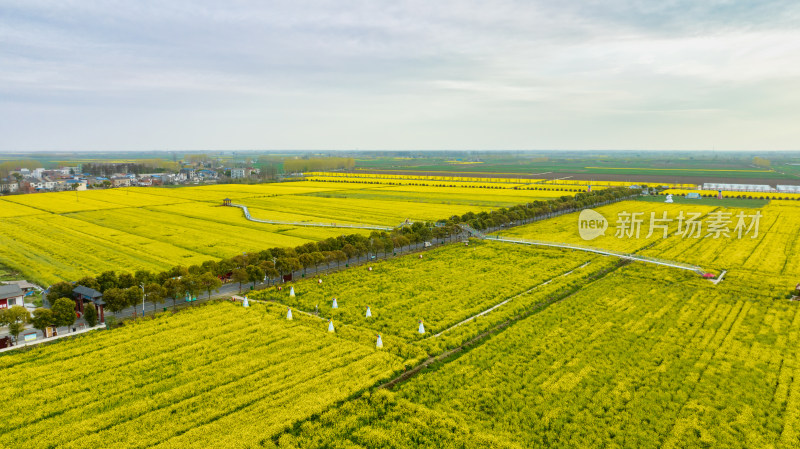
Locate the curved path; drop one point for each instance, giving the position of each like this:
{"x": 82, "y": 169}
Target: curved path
{"x": 605, "y": 252}
{"x": 480, "y": 235}
{"x": 311, "y": 224}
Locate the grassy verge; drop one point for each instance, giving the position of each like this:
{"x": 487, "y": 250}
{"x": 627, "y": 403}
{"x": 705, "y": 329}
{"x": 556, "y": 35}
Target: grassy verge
{"x": 725, "y": 202}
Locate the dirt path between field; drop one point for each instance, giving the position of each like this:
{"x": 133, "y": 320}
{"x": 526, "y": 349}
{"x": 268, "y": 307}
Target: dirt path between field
{"x": 482, "y": 337}
{"x": 507, "y": 301}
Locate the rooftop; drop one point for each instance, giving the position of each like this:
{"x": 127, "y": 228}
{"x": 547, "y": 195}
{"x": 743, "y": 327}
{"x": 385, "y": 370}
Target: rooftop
{"x": 10, "y": 291}
{"x": 22, "y": 284}
{"x": 87, "y": 292}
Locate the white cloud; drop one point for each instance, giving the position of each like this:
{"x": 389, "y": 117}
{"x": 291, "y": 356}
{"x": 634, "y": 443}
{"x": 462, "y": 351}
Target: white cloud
{"x": 408, "y": 74}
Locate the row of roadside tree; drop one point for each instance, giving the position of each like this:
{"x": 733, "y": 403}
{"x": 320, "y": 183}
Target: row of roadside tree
{"x": 123, "y": 290}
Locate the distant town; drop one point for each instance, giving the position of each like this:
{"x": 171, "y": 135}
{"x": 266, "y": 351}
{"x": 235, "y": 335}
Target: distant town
{"x": 24, "y": 177}
{"x": 24, "y": 180}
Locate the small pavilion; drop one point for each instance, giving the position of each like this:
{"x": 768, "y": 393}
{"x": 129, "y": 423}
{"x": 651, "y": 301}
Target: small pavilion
{"x": 86, "y": 294}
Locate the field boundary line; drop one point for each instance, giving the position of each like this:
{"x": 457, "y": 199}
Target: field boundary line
{"x": 507, "y": 301}
{"x": 605, "y": 252}
{"x": 484, "y": 336}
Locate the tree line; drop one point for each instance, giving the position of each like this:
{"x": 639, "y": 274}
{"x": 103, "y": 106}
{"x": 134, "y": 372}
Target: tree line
{"x": 61, "y": 314}
{"x": 123, "y": 290}
{"x": 444, "y": 184}
{"x": 317, "y": 164}
{"x": 540, "y": 209}
{"x": 139, "y": 167}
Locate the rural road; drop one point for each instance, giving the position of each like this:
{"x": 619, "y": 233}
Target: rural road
{"x": 229, "y": 289}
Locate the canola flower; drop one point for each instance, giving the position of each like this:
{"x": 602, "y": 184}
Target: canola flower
{"x": 181, "y": 380}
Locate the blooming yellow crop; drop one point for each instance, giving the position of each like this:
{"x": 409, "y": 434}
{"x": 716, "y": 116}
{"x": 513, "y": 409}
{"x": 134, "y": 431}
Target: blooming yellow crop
{"x": 184, "y": 380}
{"x": 448, "y": 285}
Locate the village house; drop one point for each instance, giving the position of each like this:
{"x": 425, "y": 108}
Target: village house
{"x": 121, "y": 181}
{"x": 43, "y": 185}
{"x": 9, "y": 186}
{"x": 207, "y": 174}
{"x": 148, "y": 181}
{"x": 26, "y": 287}
{"x": 77, "y": 183}
{"x": 237, "y": 173}
{"x": 10, "y": 296}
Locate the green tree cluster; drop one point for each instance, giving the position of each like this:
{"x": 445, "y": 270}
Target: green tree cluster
{"x": 15, "y": 318}
{"x": 318, "y": 164}
{"x": 126, "y": 290}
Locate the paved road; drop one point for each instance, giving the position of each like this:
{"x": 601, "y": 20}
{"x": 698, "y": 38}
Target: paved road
{"x": 232, "y": 289}
{"x": 229, "y": 289}
{"x": 63, "y": 333}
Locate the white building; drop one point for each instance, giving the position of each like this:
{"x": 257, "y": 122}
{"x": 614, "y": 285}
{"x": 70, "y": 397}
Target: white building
{"x": 788, "y": 189}
{"x": 9, "y": 186}
{"x": 121, "y": 181}
{"x": 66, "y": 171}
{"x": 81, "y": 185}
{"x": 10, "y": 296}
{"x": 43, "y": 185}
{"x": 738, "y": 187}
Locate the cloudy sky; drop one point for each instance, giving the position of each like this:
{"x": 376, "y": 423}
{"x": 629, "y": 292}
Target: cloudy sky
{"x": 582, "y": 74}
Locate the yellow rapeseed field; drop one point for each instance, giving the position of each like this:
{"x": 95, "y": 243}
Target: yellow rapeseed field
{"x": 772, "y": 252}
{"x": 217, "y": 376}
{"x": 448, "y": 179}
{"x": 733, "y": 194}
{"x": 50, "y": 237}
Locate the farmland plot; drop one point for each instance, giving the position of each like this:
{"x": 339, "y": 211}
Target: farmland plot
{"x": 215, "y": 376}
{"x": 446, "y": 286}
{"x": 645, "y": 357}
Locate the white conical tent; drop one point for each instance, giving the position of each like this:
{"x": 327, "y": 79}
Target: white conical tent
{"x": 245, "y": 303}
{"x": 421, "y": 327}
{"x": 289, "y": 314}
{"x": 379, "y": 344}
{"x": 369, "y": 312}
{"x": 330, "y": 325}
{"x": 335, "y": 304}
{"x": 291, "y": 292}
